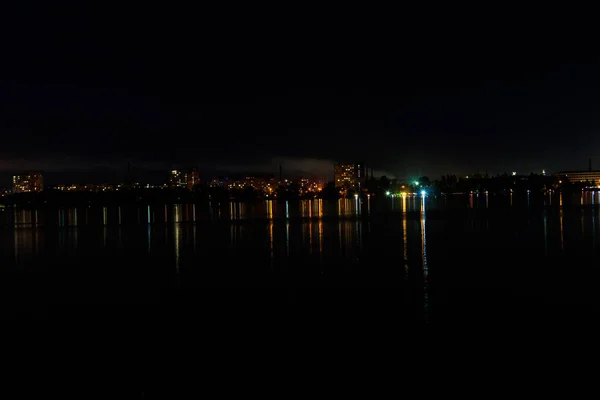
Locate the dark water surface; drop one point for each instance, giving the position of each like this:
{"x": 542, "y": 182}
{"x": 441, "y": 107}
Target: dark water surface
{"x": 461, "y": 258}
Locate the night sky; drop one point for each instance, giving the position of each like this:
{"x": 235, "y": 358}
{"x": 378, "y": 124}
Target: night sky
{"x": 85, "y": 90}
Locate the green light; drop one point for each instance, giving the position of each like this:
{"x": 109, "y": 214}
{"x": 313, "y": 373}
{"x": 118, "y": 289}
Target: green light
{"x": 416, "y": 182}
{"x": 387, "y": 193}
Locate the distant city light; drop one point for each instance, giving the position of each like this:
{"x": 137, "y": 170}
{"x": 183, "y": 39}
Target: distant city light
{"x": 416, "y": 182}
{"x": 387, "y": 193}
{"x": 423, "y": 193}
{"x": 514, "y": 173}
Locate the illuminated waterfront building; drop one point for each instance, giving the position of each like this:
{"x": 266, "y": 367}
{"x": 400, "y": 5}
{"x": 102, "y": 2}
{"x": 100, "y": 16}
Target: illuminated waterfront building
{"x": 349, "y": 176}
{"x": 26, "y": 183}
{"x": 592, "y": 177}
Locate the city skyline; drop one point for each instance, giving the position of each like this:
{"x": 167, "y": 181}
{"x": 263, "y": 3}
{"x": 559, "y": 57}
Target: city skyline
{"x": 76, "y": 95}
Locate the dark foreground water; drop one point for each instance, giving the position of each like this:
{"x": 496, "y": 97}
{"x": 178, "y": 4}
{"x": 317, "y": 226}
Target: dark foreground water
{"x": 438, "y": 260}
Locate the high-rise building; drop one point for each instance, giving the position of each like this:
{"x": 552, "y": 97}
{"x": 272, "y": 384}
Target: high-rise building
{"x": 192, "y": 178}
{"x": 176, "y": 179}
{"x": 184, "y": 179}
{"x": 349, "y": 176}
{"x": 26, "y": 183}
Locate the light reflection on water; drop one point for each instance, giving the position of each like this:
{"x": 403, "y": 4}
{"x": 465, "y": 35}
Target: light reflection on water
{"x": 556, "y": 226}
{"x": 424, "y": 261}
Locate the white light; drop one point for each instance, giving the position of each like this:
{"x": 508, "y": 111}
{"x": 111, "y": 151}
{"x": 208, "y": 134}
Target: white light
{"x": 514, "y": 173}
{"x": 422, "y": 193}
{"x": 387, "y": 193}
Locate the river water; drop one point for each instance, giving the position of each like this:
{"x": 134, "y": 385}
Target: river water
{"x": 454, "y": 258}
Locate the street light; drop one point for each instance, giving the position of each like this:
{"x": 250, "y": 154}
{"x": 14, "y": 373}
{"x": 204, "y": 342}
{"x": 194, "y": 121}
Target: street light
{"x": 387, "y": 193}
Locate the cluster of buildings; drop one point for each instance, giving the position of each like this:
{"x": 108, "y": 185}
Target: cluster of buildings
{"x": 27, "y": 183}
{"x": 347, "y": 178}
{"x": 269, "y": 186}
{"x": 177, "y": 179}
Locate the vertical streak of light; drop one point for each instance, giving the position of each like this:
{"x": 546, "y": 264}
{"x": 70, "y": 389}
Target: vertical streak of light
{"x": 486, "y": 200}
{"x": 176, "y": 210}
{"x": 148, "y": 215}
{"x": 36, "y": 218}
{"x": 194, "y": 212}
{"x": 287, "y": 229}
{"x": 104, "y": 215}
{"x": 270, "y": 209}
{"x": 194, "y": 236}
{"x": 287, "y": 238}
{"x": 562, "y": 243}
{"x": 271, "y": 246}
{"x": 320, "y": 202}
{"x": 177, "y": 243}
{"x": 119, "y": 210}
{"x": 425, "y": 266}
{"x": 560, "y": 199}
{"x": 405, "y": 243}
{"x": 149, "y": 237}
{"x": 320, "y": 228}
